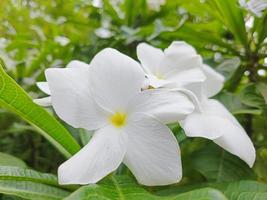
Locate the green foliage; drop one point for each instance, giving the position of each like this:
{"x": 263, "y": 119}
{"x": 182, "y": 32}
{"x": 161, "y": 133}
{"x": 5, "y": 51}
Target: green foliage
{"x": 30, "y": 184}
{"x": 121, "y": 188}
{"x": 15, "y": 98}
{"x": 215, "y": 164}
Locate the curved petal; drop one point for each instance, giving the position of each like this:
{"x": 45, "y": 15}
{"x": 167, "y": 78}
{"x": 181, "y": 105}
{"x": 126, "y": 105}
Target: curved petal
{"x": 43, "y": 86}
{"x": 153, "y": 154}
{"x": 213, "y": 83}
{"x": 180, "y": 48}
{"x": 71, "y": 98}
{"x": 167, "y": 105}
{"x": 206, "y": 126}
{"x": 236, "y": 142}
{"x": 182, "y": 78}
{"x": 46, "y": 101}
{"x": 155, "y": 82}
{"x": 217, "y": 123}
{"x": 102, "y": 155}
{"x": 180, "y": 56}
{"x": 239, "y": 144}
{"x": 150, "y": 57}
{"x": 76, "y": 63}
{"x": 115, "y": 79}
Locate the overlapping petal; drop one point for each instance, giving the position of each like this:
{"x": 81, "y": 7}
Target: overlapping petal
{"x": 102, "y": 155}
{"x": 167, "y": 105}
{"x": 45, "y": 101}
{"x": 216, "y": 122}
{"x": 150, "y": 57}
{"x": 178, "y": 64}
{"x": 43, "y": 86}
{"x": 115, "y": 79}
{"x": 153, "y": 154}
{"x": 213, "y": 83}
{"x": 72, "y": 100}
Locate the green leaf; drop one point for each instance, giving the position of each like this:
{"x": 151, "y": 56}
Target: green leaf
{"x": 234, "y": 104}
{"x": 14, "y": 98}
{"x": 24, "y": 174}
{"x": 228, "y": 12}
{"x": 240, "y": 190}
{"x": 123, "y": 188}
{"x": 252, "y": 95}
{"x": 30, "y": 190}
{"x": 30, "y": 184}
{"x": 244, "y": 189}
{"x": 9, "y": 160}
{"x": 190, "y": 34}
{"x": 228, "y": 67}
{"x": 215, "y": 164}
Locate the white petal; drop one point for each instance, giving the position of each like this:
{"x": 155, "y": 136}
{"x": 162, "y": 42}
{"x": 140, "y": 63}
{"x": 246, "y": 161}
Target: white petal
{"x": 102, "y": 155}
{"x": 180, "y": 56}
{"x": 217, "y": 123}
{"x": 150, "y": 57}
{"x": 182, "y": 78}
{"x": 71, "y": 98}
{"x": 167, "y": 105}
{"x": 115, "y": 79}
{"x": 238, "y": 143}
{"x": 213, "y": 83}
{"x": 46, "y": 101}
{"x": 43, "y": 86}
{"x": 77, "y": 63}
{"x": 180, "y": 48}
{"x": 153, "y": 154}
{"x": 207, "y": 126}
{"x": 157, "y": 83}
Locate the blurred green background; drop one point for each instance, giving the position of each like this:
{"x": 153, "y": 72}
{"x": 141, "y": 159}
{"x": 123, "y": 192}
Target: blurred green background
{"x": 37, "y": 34}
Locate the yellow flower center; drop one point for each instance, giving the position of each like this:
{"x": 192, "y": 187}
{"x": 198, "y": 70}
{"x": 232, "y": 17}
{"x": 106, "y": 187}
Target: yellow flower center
{"x": 118, "y": 119}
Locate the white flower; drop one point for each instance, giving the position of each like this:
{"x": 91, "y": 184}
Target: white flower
{"x": 180, "y": 68}
{"x": 155, "y": 4}
{"x": 129, "y": 123}
{"x": 254, "y": 6}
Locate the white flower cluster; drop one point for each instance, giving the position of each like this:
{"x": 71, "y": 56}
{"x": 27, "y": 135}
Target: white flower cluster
{"x": 128, "y": 105}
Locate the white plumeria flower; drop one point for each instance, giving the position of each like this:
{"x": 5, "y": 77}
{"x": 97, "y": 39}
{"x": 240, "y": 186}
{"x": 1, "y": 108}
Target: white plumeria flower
{"x": 254, "y": 6}
{"x": 128, "y": 122}
{"x": 210, "y": 119}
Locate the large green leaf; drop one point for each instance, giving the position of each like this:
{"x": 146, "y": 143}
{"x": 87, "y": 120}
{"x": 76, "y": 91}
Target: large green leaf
{"x": 32, "y": 191}
{"x": 9, "y": 160}
{"x": 13, "y": 97}
{"x": 30, "y": 184}
{"x": 123, "y": 188}
{"x": 24, "y": 174}
{"x": 218, "y": 165}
